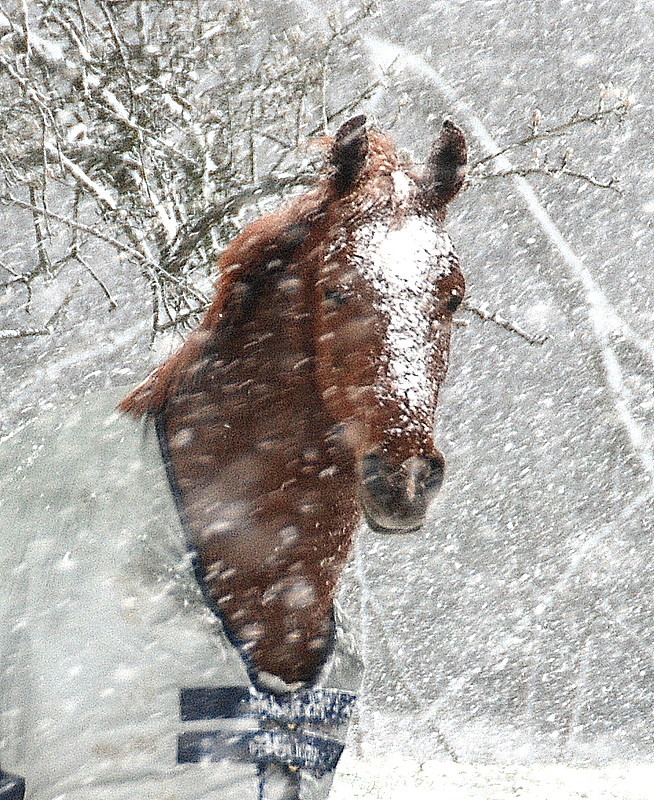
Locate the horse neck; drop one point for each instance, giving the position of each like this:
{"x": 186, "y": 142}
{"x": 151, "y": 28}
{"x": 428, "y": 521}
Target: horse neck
{"x": 266, "y": 487}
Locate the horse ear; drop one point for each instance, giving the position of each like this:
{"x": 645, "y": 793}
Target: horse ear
{"x": 446, "y": 166}
{"x": 349, "y": 151}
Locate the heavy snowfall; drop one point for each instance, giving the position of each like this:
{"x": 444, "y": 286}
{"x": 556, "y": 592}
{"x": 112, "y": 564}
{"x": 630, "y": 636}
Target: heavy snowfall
{"x": 509, "y": 645}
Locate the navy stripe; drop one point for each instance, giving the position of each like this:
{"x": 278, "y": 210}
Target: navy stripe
{"x": 213, "y": 702}
{"x": 331, "y": 706}
{"x": 294, "y": 749}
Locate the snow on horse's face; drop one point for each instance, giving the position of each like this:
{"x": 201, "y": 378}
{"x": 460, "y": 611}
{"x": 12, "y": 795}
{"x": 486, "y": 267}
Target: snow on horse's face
{"x": 390, "y": 284}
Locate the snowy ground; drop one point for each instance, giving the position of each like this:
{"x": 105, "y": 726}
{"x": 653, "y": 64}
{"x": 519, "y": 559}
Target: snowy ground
{"x": 399, "y": 778}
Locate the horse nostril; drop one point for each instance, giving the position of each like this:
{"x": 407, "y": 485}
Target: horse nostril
{"x": 371, "y": 466}
{"x": 378, "y": 486}
{"x": 435, "y": 473}
{"x": 416, "y": 478}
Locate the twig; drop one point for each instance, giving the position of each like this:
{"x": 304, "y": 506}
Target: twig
{"x": 44, "y": 330}
{"x": 26, "y": 26}
{"x": 180, "y": 319}
{"x": 119, "y": 113}
{"x": 557, "y": 130}
{"x": 21, "y": 333}
{"x": 81, "y": 177}
{"x": 497, "y": 319}
{"x": 553, "y": 173}
{"x": 112, "y": 303}
{"x": 44, "y": 261}
{"x": 71, "y": 223}
{"x": 344, "y": 109}
{"x": 17, "y": 276}
{"x": 120, "y": 49}
{"x": 40, "y": 102}
{"x": 144, "y": 258}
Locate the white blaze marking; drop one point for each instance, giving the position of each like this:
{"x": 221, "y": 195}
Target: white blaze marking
{"x": 402, "y": 185}
{"x": 403, "y": 266}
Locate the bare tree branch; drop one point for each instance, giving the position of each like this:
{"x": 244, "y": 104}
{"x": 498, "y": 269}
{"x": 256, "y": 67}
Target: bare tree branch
{"x": 619, "y": 110}
{"x": 44, "y": 330}
{"x": 481, "y": 311}
{"x": 554, "y": 172}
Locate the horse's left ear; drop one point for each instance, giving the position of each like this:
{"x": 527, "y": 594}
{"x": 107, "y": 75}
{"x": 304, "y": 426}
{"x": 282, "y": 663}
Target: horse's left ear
{"x": 349, "y": 151}
{"x": 446, "y": 166}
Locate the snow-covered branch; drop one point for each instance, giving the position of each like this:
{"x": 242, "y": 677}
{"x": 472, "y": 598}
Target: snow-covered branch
{"x": 167, "y": 139}
{"x": 481, "y": 311}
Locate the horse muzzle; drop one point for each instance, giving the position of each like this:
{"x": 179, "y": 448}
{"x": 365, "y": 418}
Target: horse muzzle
{"x": 396, "y": 499}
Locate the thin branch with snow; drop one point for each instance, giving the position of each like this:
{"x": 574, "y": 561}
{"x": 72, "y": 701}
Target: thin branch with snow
{"x": 481, "y": 311}
{"x": 618, "y": 110}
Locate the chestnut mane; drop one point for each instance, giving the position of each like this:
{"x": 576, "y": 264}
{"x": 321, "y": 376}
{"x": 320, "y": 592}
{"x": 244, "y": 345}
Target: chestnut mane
{"x": 279, "y": 235}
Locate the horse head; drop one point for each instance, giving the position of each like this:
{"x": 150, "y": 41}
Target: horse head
{"x": 390, "y": 282}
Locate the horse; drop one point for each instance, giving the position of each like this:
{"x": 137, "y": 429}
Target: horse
{"x": 303, "y": 403}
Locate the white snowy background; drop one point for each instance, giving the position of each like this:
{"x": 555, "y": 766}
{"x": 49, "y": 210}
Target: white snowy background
{"x": 510, "y": 644}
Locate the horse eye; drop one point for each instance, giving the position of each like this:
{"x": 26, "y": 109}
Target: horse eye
{"x": 336, "y": 296}
{"x": 454, "y": 302}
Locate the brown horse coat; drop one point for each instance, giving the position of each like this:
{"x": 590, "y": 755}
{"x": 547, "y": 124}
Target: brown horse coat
{"x": 308, "y": 393}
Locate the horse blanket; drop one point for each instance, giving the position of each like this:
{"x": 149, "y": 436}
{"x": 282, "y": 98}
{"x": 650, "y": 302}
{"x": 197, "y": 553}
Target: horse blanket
{"x": 117, "y": 682}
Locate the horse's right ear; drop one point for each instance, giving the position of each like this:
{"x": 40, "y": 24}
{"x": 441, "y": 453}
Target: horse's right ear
{"x": 349, "y": 152}
{"x": 446, "y": 166}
